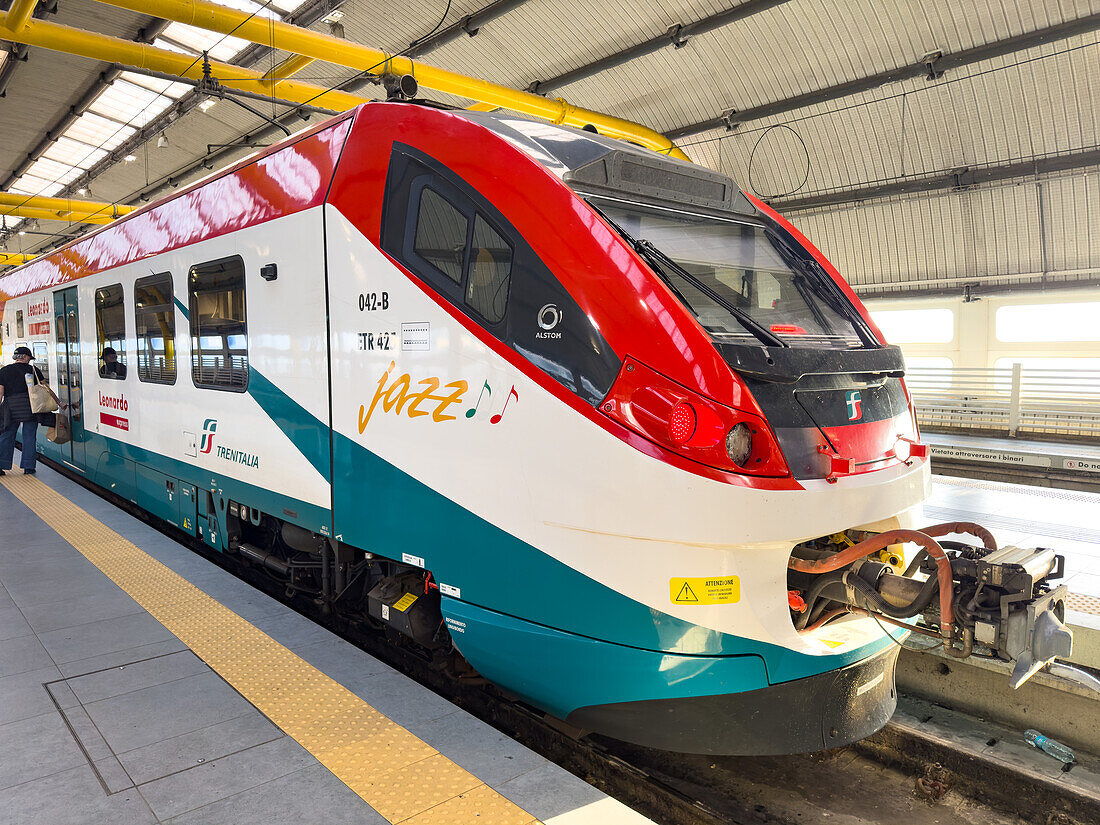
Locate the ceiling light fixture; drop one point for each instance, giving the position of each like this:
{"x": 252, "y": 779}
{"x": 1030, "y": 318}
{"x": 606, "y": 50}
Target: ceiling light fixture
{"x": 206, "y": 104}
{"x": 130, "y": 158}
{"x": 162, "y": 141}
{"x": 82, "y": 191}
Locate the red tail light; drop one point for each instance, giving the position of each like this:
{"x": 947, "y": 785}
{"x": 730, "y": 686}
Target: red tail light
{"x": 681, "y": 423}
{"x": 690, "y": 424}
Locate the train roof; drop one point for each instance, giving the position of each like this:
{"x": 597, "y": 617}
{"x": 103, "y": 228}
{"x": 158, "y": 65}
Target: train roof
{"x": 593, "y": 162}
{"x": 588, "y": 162}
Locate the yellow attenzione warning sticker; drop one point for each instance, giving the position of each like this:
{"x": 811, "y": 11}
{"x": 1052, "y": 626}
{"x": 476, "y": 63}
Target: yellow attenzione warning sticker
{"x": 404, "y": 603}
{"x": 722, "y": 590}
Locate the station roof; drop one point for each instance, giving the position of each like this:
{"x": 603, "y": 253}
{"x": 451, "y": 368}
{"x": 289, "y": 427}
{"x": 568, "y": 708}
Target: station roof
{"x": 809, "y": 104}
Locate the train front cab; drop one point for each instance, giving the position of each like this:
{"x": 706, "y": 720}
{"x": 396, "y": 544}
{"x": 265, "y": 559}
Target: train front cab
{"x": 557, "y": 530}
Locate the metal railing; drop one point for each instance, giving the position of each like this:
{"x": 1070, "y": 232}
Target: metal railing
{"x": 1012, "y": 401}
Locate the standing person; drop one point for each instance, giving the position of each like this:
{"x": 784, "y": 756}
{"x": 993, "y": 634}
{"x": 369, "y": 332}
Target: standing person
{"x": 14, "y": 379}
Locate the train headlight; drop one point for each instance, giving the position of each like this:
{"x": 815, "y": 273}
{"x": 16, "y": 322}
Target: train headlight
{"x": 739, "y": 444}
{"x": 681, "y": 423}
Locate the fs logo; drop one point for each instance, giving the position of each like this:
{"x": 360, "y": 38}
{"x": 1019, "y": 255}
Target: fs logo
{"x": 209, "y": 427}
{"x": 855, "y": 408}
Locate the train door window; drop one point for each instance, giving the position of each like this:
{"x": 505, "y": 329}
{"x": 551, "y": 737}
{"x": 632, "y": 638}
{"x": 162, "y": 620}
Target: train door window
{"x": 219, "y": 329}
{"x": 19, "y": 327}
{"x": 41, "y": 358}
{"x": 110, "y": 330}
{"x": 490, "y": 268}
{"x": 441, "y": 232}
{"x": 155, "y": 329}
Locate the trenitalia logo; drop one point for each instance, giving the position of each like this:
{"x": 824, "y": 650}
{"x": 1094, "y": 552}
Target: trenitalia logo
{"x": 855, "y": 408}
{"x": 209, "y": 427}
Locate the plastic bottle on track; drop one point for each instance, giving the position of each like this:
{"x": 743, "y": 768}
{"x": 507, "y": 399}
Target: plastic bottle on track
{"x": 1055, "y": 749}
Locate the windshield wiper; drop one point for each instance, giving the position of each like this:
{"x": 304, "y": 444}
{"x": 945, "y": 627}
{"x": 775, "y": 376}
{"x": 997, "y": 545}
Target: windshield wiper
{"x": 832, "y": 295}
{"x": 660, "y": 261}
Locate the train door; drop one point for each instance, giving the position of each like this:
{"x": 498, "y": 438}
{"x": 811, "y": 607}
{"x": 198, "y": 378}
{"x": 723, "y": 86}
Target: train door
{"x": 69, "y": 385}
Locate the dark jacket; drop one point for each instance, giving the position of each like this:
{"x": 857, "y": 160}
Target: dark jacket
{"x": 13, "y": 378}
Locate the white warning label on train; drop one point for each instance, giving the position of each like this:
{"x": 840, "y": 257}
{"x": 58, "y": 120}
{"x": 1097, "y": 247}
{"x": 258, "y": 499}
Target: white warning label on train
{"x": 416, "y": 337}
{"x": 703, "y": 590}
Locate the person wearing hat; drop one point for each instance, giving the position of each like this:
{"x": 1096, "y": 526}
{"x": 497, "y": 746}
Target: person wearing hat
{"x": 14, "y": 379}
{"x": 111, "y": 366}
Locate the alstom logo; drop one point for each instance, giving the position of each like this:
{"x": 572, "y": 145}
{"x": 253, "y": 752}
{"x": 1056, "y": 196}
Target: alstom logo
{"x": 855, "y": 405}
{"x": 209, "y": 427}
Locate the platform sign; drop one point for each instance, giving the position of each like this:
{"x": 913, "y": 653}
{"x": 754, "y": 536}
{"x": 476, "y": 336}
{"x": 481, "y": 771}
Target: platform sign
{"x": 1077, "y": 465}
{"x": 991, "y": 456}
{"x": 702, "y": 590}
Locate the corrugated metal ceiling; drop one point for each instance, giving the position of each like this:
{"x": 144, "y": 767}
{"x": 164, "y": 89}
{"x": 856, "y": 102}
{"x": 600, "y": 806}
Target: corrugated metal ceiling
{"x": 1031, "y": 103}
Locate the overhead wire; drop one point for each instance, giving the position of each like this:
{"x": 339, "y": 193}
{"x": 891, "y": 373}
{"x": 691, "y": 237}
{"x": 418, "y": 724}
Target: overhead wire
{"x": 333, "y": 85}
{"x": 930, "y": 86}
{"x": 353, "y": 78}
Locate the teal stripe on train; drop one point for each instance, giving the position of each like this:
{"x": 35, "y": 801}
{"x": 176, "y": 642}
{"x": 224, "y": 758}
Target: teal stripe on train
{"x": 107, "y": 467}
{"x": 382, "y": 509}
{"x": 309, "y": 435}
{"x": 561, "y": 672}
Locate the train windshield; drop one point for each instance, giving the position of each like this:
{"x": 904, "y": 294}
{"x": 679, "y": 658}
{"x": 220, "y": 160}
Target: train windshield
{"x": 739, "y": 279}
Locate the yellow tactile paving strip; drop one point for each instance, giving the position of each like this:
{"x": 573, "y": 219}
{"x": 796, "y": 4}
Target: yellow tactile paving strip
{"x": 1083, "y": 604}
{"x": 402, "y": 777}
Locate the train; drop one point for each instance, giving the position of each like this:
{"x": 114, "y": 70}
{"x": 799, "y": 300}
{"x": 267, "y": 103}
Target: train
{"x": 585, "y": 420}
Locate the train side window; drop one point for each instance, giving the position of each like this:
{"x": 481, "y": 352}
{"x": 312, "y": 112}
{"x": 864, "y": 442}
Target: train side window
{"x": 20, "y": 331}
{"x": 155, "y": 329}
{"x": 441, "y": 232}
{"x": 110, "y": 325}
{"x": 490, "y": 272}
{"x": 219, "y": 326}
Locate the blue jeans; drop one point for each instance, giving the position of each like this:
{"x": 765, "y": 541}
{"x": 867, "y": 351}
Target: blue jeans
{"x": 7, "y": 445}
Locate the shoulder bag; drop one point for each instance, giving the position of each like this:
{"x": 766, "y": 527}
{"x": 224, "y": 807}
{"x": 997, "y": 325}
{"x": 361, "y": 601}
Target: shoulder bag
{"x": 41, "y": 398}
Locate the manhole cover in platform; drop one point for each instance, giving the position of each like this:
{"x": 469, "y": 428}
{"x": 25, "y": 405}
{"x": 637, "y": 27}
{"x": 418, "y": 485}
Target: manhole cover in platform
{"x": 149, "y": 719}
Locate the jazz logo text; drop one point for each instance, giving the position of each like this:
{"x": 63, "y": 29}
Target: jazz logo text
{"x": 429, "y": 396}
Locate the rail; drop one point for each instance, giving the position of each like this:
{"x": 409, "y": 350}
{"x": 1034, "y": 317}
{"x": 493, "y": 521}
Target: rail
{"x": 1014, "y": 401}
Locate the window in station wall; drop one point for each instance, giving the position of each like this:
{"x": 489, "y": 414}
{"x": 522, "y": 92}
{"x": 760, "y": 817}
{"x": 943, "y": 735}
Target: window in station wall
{"x": 916, "y": 326}
{"x": 1049, "y": 322}
{"x": 927, "y": 362}
{"x": 1054, "y": 378}
{"x": 1040, "y": 363}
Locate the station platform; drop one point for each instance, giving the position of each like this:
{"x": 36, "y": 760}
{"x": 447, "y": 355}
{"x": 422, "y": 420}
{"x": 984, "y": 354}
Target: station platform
{"x": 1028, "y": 516}
{"x": 140, "y": 683}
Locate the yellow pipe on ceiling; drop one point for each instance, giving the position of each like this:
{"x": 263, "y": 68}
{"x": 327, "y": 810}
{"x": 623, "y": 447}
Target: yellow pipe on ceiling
{"x": 57, "y": 37}
{"x": 298, "y": 40}
{"x": 65, "y": 205}
{"x": 15, "y": 258}
{"x": 19, "y": 13}
{"x": 52, "y": 215}
{"x": 291, "y": 66}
